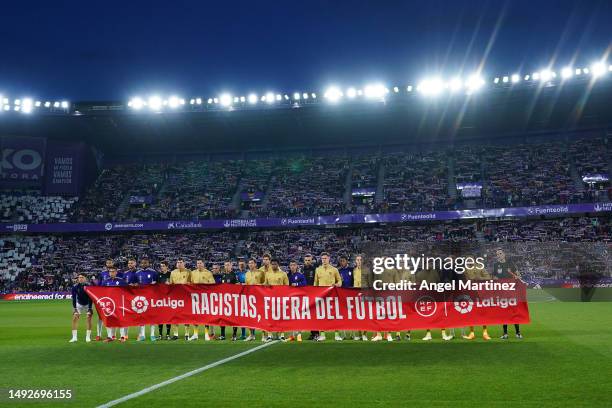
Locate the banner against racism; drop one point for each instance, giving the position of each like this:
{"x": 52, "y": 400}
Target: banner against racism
{"x": 22, "y": 159}
{"x": 286, "y": 308}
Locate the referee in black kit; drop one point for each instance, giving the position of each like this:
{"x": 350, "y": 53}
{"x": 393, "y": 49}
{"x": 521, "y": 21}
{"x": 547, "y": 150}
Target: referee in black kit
{"x": 308, "y": 270}
{"x": 503, "y": 269}
{"x": 164, "y": 275}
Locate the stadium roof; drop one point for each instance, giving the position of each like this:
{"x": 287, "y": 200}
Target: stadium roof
{"x": 114, "y": 128}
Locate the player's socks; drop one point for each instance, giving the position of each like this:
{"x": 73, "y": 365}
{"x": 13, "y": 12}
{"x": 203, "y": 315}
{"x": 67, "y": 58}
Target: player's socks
{"x": 485, "y": 335}
{"x": 427, "y": 336}
{"x": 471, "y": 336}
{"x": 88, "y": 336}
{"x": 98, "y": 328}
{"x": 299, "y": 337}
{"x": 364, "y": 337}
{"x": 389, "y": 337}
{"x": 74, "y": 337}
{"x": 378, "y": 337}
{"x": 337, "y": 337}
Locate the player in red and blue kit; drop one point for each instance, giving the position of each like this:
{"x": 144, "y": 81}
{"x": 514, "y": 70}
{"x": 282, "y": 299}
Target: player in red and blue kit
{"x": 112, "y": 281}
{"x": 296, "y": 279}
{"x": 146, "y": 276}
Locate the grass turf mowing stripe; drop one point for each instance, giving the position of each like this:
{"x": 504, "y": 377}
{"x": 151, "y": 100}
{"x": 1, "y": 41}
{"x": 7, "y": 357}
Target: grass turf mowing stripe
{"x": 183, "y": 376}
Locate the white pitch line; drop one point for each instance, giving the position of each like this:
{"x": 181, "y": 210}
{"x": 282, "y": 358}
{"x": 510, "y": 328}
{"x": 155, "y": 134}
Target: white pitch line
{"x": 182, "y": 376}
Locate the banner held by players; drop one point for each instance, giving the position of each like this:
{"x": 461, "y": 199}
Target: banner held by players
{"x": 284, "y": 308}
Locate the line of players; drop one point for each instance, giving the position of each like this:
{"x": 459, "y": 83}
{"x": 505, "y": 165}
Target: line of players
{"x": 247, "y": 273}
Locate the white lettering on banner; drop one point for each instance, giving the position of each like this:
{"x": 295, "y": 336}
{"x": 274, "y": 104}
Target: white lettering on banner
{"x": 62, "y": 170}
{"x": 12, "y": 159}
{"x": 228, "y": 304}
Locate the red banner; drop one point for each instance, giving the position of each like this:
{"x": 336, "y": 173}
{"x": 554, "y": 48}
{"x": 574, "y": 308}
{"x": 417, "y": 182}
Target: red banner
{"x": 286, "y": 308}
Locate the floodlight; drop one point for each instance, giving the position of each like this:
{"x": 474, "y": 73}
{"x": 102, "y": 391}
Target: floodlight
{"x": 137, "y": 103}
{"x": 505, "y": 79}
{"x": 374, "y": 91}
{"x": 252, "y": 99}
{"x": 296, "y": 96}
{"x": 27, "y": 105}
{"x": 56, "y": 104}
{"x": 47, "y": 104}
{"x": 515, "y": 78}
{"x": 333, "y": 94}
{"x": 598, "y": 69}
{"x": 270, "y": 97}
{"x": 198, "y": 101}
{"x": 174, "y": 102}
{"x": 351, "y": 92}
{"x": 305, "y": 95}
{"x": 474, "y": 83}
{"x": 454, "y": 84}
{"x": 155, "y": 103}
{"x": 37, "y": 104}
{"x": 431, "y": 87}
{"x": 226, "y": 100}
{"x": 566, "y": 72}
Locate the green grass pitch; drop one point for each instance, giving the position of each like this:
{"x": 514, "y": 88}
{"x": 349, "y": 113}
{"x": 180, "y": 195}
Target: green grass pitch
{"x": 564, "y": 360}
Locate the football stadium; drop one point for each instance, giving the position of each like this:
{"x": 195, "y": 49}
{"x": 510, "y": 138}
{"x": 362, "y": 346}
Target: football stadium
{"x": 443, "y": 239}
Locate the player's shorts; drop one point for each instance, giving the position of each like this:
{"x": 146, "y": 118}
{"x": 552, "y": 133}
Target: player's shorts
{"x": 82, "y": 309}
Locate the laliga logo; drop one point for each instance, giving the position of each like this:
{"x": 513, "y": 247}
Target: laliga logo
{"x": 226, "y": 223}
{"x": 108, "y": 226}
{"x": 463, "y": 304}
{"x": 284, "y": 221}
{"x": 170, "y": 225}
{"x": 107, "y": 305}
{"x": 140, "y": 304}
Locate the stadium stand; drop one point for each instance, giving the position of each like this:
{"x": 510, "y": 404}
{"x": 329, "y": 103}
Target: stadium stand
{"x": 33, "y": 208}
{"x": 42, "y": 262}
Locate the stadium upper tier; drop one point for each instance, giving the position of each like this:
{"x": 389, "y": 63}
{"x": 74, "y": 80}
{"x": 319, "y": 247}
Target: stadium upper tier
{"x": 332, "y": 182}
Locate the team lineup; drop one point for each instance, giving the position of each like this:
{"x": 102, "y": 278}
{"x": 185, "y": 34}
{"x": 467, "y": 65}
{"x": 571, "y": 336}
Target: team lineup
{"x": 309, "y": 273}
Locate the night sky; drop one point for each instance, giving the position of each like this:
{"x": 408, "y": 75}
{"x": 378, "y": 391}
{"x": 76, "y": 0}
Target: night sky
{"x": 113, "y": 50}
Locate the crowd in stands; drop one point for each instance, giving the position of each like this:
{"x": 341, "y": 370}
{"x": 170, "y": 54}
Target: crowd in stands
{"x": 519, "y": 174}
{"x": 50, "y": 262}
{"x": 306, "y": 186}
{"x": 415, "y": 182}
{"x": 33, "y": 208}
